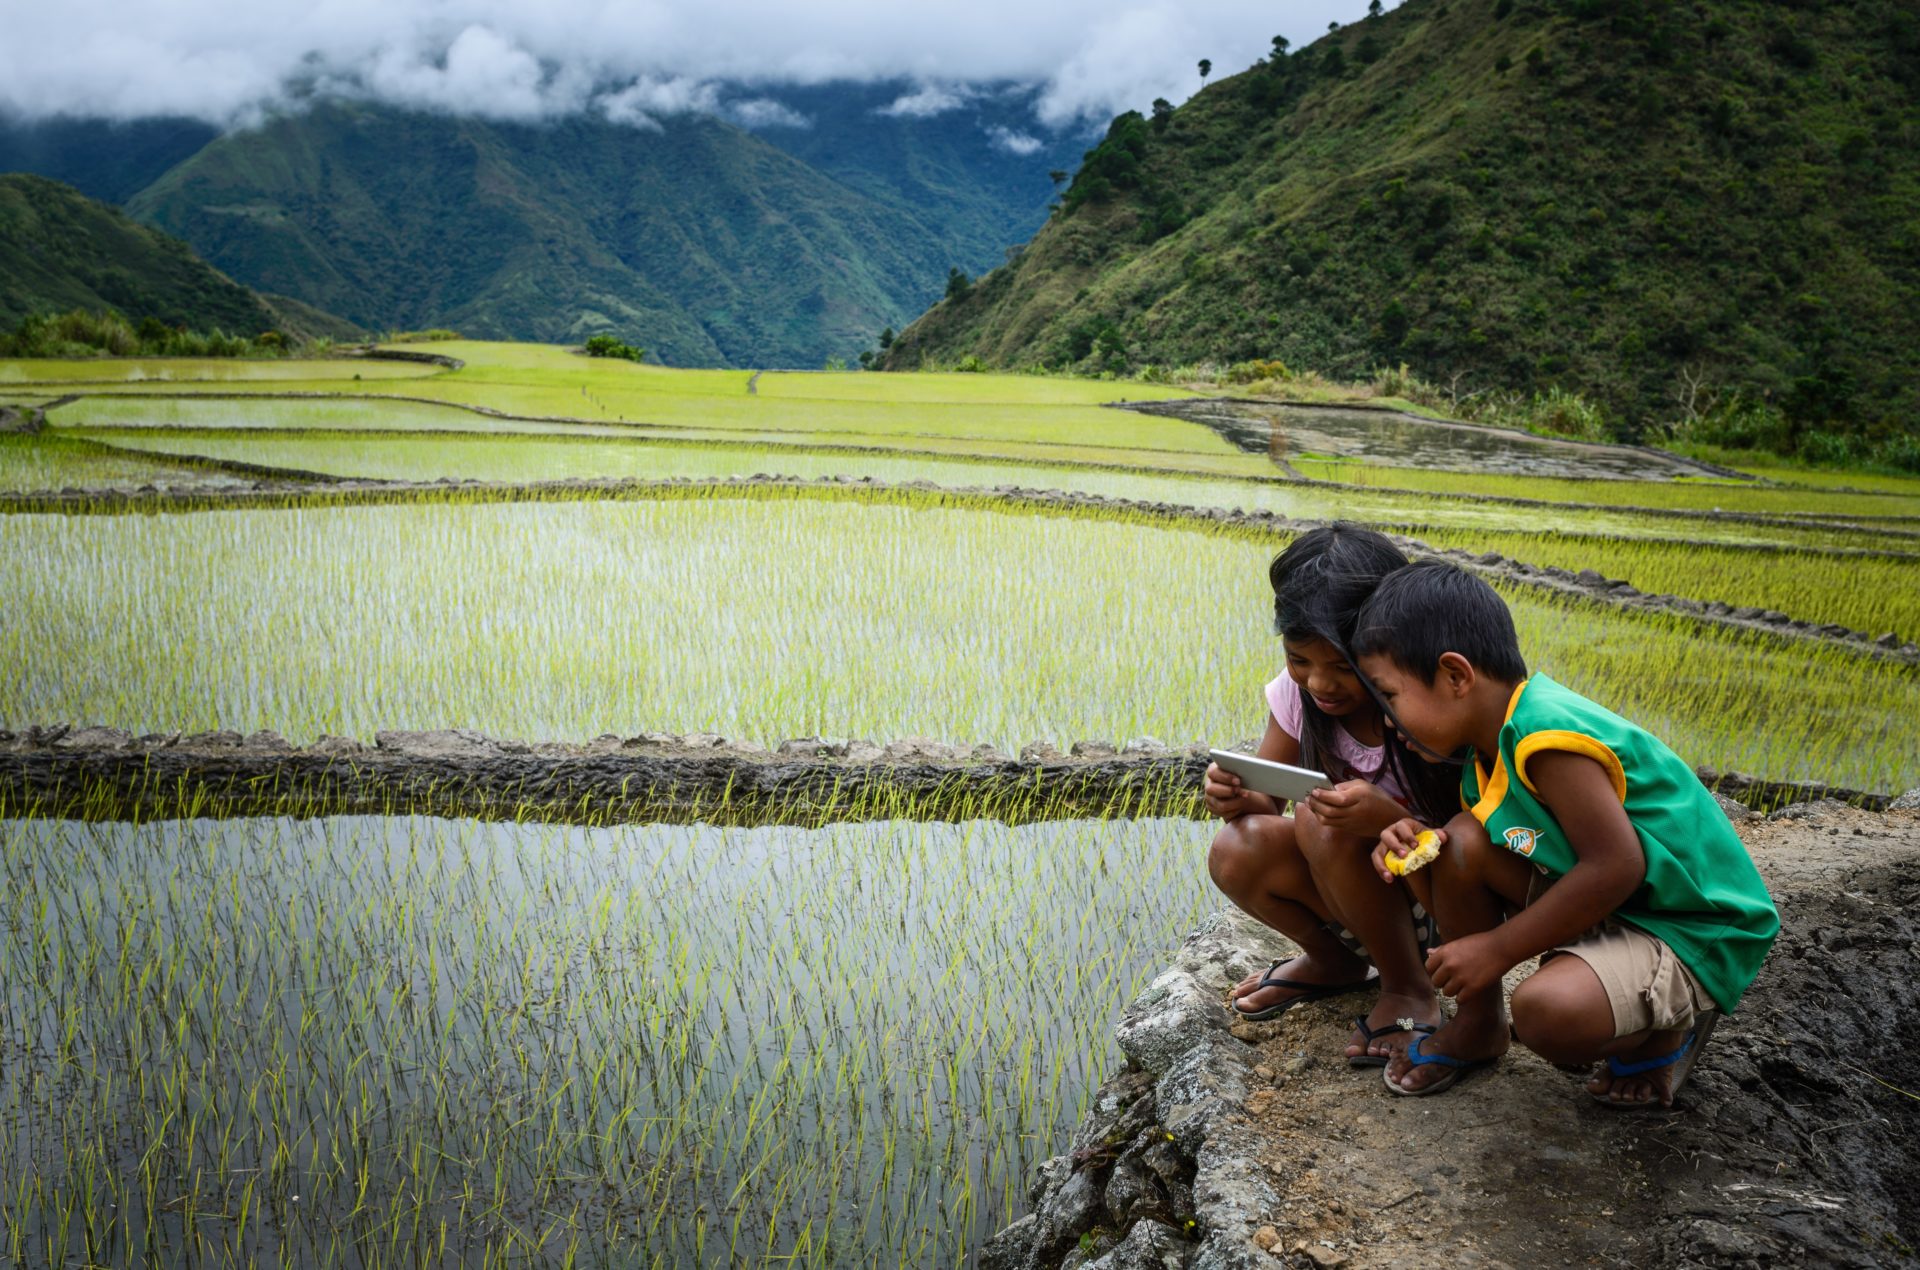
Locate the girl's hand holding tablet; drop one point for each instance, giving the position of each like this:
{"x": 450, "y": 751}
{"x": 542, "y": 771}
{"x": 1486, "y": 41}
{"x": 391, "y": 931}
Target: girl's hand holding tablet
{"x": 1229, "y": 799}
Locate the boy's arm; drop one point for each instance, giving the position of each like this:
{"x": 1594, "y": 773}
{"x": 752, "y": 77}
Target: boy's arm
{"x": 1580, "y": 794}
{"x": 1610, "y": 867}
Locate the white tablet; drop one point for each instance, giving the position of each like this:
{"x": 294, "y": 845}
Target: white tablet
{"x": 1268, "y": 777}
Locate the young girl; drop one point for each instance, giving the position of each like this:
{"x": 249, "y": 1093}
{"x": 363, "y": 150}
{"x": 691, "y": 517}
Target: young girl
{"x": 1310, "y": 876}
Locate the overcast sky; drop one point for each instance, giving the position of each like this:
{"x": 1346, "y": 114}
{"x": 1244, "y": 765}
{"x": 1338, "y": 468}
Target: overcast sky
{"x": 631, "y": 60}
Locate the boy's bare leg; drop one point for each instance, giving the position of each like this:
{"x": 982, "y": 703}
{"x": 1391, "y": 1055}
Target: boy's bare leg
{"x": 1475, "y": 885}
{"x": 1342, "y": 866}
{"x": 1256, "y": 863}
{"x": 1562, "y": 1014}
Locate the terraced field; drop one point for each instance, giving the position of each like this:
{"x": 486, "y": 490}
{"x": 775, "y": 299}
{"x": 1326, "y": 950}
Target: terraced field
{"x": 820, "y": 1043}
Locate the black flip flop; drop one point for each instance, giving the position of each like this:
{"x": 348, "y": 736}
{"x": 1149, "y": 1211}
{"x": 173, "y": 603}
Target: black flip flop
{"x": 1374, "y": 1060}
{"x": 1307, "y": 992}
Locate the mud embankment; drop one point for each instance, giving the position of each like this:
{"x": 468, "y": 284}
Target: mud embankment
{"x": 106, "y": 772}
{"x": 1795, "y": 1143}
{"x": 374, "y": 353}
{"x": 25, "y": 420}
{"x": 1247, "y": 421}
{"x": 1586, "y": 584}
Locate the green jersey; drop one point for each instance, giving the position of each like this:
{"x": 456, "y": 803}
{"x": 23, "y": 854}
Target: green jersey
{"x": 1701, "y": 896}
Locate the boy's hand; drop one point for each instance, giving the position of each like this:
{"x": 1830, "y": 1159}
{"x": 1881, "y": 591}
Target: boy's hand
{"x": 1357, "y": 807}
{"x": 1399, "y": 838}
{"x": 1464, "y": 966}
{"x": 1227, "y": 798}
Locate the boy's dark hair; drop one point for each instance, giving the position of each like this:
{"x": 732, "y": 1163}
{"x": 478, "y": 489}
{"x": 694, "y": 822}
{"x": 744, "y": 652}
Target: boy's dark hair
{"x": 1433, "y": 607}
{"x": 1321, "y": 582}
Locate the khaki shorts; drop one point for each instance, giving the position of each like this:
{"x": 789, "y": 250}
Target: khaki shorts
{"x": 1647, "y": 986}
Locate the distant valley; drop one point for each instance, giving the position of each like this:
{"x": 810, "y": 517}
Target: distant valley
{"x": 708, "y": 243}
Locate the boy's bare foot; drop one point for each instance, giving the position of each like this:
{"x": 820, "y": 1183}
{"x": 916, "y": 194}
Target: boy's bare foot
{"x": 1249, "y": 997}
{"x": 1642, "y": 1089}
{"x": 1422, "y": 1008}
{"x": 1471, "y": 1036}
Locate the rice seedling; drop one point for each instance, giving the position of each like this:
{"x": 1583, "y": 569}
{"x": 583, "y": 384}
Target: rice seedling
{"x": 40, "y": 462}
{"x": 335, "y": 412}
{"x": 376, "y": 1042}
{"x": 1686, "y": 495}
{"x": 1113, "y": 474}
{"x": 1872, "y": 594}
{"x": 15, "y": 372}
{"x": 790, "y": 612}
{"x": 330, "y": 413}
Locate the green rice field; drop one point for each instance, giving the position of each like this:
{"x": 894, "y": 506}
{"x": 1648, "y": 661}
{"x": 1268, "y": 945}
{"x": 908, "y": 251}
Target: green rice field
{"x": 623, "y": 453}
{"x": 414, "y": 1041}
{"x": 54, "y": 462}
{"x": 332, "y": 1040}
{"x": 648, "y": 614}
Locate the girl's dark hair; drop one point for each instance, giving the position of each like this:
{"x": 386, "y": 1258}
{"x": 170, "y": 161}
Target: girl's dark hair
{"x": 1321, "y": 582}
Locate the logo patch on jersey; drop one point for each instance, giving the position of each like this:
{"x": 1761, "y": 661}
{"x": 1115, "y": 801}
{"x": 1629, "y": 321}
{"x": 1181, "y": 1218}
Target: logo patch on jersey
{"x": 1522, "y": 841}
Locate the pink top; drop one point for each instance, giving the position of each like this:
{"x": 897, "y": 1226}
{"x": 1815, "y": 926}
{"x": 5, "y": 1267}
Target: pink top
{"x": 1364, "y": 762}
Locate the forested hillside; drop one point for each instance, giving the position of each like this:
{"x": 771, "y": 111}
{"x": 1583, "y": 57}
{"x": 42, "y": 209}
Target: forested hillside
{"x": 64, "y": 251}
{"x": 702, "y": 241}
{"x": 1636, "y": 201}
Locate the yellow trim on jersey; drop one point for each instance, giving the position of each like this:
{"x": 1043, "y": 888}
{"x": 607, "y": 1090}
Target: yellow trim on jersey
{"x": 1493, "y": 788}
{"x": 1573, "y": 743}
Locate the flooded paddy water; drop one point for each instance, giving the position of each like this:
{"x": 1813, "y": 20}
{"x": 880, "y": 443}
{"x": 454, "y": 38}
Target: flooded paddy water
{"x": 353, "y": 1040}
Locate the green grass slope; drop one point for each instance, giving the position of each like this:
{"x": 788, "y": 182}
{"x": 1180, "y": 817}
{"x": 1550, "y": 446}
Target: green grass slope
{"x": 1614, "y": 198}
{"x": 62, "y": 250}
{"x": 699, "y": 241}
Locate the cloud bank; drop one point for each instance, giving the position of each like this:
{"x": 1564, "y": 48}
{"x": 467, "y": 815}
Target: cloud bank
{"x": 634, "y": 61}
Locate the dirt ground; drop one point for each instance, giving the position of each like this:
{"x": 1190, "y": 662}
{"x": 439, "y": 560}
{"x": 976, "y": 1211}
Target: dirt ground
{"x": 1794, "y": 1143}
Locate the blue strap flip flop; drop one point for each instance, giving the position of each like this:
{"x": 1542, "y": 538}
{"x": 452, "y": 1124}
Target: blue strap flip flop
{"x": 1372, "y": 1034}
{"x": 1681, "y": 1060}
{"x": 1306, "y": 992}
{"x": 1456, "y": 1068}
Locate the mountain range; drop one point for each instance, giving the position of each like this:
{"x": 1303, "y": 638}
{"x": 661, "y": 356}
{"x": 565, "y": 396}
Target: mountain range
{"x": 706, "y": 242}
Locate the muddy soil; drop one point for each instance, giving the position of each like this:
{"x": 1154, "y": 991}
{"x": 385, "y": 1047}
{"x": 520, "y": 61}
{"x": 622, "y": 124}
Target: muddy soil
{"x": 1796, "y": 1141}
{"x": 1379, "y": 434}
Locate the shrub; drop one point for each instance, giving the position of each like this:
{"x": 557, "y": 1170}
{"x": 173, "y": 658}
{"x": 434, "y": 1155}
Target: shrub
{"x": 971, "y": 365}
{"x": 81, "y": 333}
{"x": 1258, "y": 368}
{"x": 1831, "y": 448}
{"x": 1901, "y": 451}
{"x": 608, "y": 346}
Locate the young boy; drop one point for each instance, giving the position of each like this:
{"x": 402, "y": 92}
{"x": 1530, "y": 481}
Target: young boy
{"x": 1586, "y": 842}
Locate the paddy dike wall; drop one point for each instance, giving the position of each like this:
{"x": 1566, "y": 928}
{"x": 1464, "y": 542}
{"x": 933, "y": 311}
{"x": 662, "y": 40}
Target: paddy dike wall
{"x": 1796, "y": 1142}
{"x": 1584, "y": 584}
{"x": 107, "y": 772}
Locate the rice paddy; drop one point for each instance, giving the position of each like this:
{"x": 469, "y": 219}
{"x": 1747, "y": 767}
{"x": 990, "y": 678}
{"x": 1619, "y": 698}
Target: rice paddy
{"x": 774, "y": 614}
{"x": 184, "y": 371}
{"x": 624, "y": 453}
{"x": 1875, "y": 595}
{"x": 1684, "y": 495}
{"x": 52, "y": 463}
{"x": 404, "y": 1042}
{"x": 333, "y": 1040}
